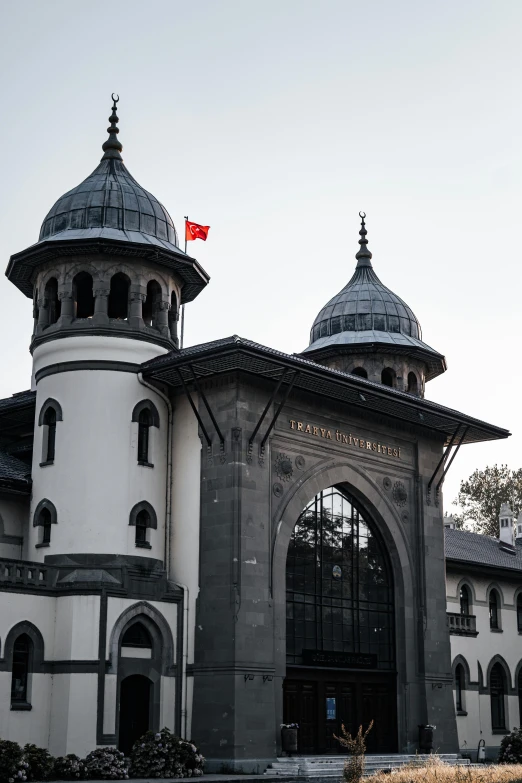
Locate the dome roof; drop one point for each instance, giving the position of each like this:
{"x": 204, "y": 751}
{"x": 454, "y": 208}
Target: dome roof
{"x": 365, "y": 312}
{"x": 110, "y": 203}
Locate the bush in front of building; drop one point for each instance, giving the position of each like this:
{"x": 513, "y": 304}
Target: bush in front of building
{"x": 106, "y": 764}
{"x": 40, "y": 761}
{"x": 70, "y": 767}
{"x": 13, "y": 767}
{"x": 163, "y": 755}
{"x": 511, "y": 748}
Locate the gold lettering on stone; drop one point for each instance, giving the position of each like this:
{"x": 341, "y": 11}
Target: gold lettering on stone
{"x": 341, "y": 437}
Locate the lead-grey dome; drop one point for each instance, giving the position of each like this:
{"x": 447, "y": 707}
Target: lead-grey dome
{"x": 366, "y": 313}
{"x": 110, "y": 203}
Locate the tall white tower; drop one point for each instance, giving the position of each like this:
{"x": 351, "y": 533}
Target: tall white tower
{"x": 107, "y": 279}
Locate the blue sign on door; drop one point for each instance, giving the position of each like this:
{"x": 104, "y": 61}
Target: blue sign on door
{"x": 331, "y": 709}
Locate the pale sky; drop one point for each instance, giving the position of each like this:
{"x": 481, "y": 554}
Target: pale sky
{"x": 275, "y": 122}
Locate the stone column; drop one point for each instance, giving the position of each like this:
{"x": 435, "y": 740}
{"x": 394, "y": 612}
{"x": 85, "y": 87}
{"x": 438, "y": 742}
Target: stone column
{"x": 43, "y": 314}
{"x": 101, "y": 304}
{"x": 136, "y": 309}
{"x": 162, "y": 316}
{"x": 173, "y": 326}
{"x": 67, "y": 313}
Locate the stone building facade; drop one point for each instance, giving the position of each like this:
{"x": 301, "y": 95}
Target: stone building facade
{"x": 224, "y": 537}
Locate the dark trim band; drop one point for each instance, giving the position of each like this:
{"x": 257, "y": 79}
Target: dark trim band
{"x": 88, "y": 364}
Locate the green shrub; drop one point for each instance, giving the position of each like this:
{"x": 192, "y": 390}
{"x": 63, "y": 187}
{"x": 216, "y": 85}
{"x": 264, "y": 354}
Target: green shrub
{"x": 106, "y": 764}
{"x": 163, "y": 755}
{"x": 511, "y": 748}
{"x": 13, "y": 767}
{"x": 69, "y": 767}
{"x": 41, "y": 763}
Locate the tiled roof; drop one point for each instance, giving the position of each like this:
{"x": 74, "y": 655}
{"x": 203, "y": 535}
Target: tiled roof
{"x": 18, "y": 400}
{"x": 474, "y": 548}
{"x": 13, "y": 469}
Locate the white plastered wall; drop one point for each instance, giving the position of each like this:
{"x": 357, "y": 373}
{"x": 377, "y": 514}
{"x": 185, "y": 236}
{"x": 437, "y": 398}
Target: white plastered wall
{"x": 482, "y": 649}
{"x": 184, "y": 538}
{"x": 14, "y": 515}
{"x": 95, "y": 479}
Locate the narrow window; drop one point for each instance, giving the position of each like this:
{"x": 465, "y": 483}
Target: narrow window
{"x": 22, "y": 653}
{"x": 497, "y": 689}
{"x": 493, "y": 610}
{"x": 413, "y": 387}
{"x": 50, "y": 422}
{"x": 464, "y": 600}
{"x": 119, "y": 297}
{"x": 53, "y": 303}
{"x": 83, "y": 295}
{"x": 142, "y": 525}
{"x": 459, "y": 688}
{"x": 144, "y": 423}
{"x": 150, "y": 305}
{"x": 136, "y": 636}
{"x": 388, "y": 377}
{"x": 519, "y": 688}
{"x": 360, "y": 371}
{"x": 45, "y": 522}
{"x": 519, "y": 612}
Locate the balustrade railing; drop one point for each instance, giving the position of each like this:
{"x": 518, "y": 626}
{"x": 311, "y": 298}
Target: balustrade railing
{"x": 20, "y": 572}
{"x": 462, "y": 624}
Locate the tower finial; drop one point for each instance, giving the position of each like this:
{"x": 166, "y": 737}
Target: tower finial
{"x": 112, "y": 146}
{"x": 363, "y": 256}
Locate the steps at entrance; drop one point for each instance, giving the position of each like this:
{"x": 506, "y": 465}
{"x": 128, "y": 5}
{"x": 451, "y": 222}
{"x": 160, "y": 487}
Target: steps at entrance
{"x": 332, "y": 766}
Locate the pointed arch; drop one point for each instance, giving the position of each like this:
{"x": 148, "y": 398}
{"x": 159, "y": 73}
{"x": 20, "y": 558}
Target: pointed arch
{"x": 156, "y": 625}
{"x": 50, "y": 403}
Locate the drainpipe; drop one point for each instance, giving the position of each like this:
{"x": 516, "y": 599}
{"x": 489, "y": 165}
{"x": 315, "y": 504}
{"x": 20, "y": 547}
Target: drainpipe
{"x": 168, "y": 523}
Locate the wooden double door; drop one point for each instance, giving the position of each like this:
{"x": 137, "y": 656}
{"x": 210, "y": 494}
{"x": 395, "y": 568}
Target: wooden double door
{"x": 320, "y": 701}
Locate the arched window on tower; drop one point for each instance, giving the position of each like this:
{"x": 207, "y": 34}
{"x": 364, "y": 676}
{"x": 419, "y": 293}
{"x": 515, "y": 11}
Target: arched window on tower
{"x": 44, "y": 517}
{"x": 146, "y": 415}
{"x": 144, "y": 519}
{"x": 519, "y": 689}
{"x": 119, "y": 297}
{"x": 53, "y": 303}
{"x": 413, "y": 385}
{"x": 360, "y": 371}
{"x": 20, "y": 677}
{"x": 150, "y": 305}
{"x": 497, "y": 690}
{"x": 519, "y": 613}
{"x": 83, "y": 295}
{"x": 388, "y": 377}
{"x": 464, "y": 600}
{"x": 460, "y": 685}
{"x": 494, "y": 610}
{"x": 50, "y": 413}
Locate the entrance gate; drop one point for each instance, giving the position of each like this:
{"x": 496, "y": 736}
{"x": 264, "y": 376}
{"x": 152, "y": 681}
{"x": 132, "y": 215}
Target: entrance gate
{"x": 340, "y": 627}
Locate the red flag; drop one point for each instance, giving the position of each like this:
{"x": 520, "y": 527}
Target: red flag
{"x": 195, "y": 231}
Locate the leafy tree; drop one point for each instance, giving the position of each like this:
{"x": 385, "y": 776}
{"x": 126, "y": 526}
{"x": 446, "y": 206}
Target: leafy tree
{"x": 482, "y": 494}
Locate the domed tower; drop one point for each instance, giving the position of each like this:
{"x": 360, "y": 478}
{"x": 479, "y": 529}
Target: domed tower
{"x": 107, "y": 279}
{"x": 369, "y": 331}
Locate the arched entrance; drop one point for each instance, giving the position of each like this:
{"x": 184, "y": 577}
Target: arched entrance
{"x": 340, "y": 627}
{"x": 135, "y": 704}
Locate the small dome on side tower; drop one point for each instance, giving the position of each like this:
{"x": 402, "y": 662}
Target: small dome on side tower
{"x": 368, "y": 330}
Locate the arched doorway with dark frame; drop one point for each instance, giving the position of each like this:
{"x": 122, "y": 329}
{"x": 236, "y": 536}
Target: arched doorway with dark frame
{"x": 340, "y": 646}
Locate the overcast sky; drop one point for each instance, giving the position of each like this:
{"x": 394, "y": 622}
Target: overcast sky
{"x": 276, "y": 121}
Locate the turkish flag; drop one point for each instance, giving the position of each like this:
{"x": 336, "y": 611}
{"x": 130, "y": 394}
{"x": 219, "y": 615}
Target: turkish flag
{"x": 195, "y": 231}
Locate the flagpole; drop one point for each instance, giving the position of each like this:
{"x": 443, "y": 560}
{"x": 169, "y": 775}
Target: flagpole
{"x": 183, "y": 306}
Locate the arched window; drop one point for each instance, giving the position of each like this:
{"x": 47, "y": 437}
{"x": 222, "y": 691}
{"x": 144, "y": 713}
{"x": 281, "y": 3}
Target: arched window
{"x": 119, "y": 297}
{"x": 497, "y": 690}
{"x": 460, "y": 685}
{"x": 146, "y": 415}
{"x": 413, "y": 385}
{"x": 519, "y": 689}
{"x": 22, "y": 660}
{"x": 494, "y": 610}
{"x": 143, "y": 518}
{"x": 50, "y": 423}
{"x": 44, "y": 517}
{"x": 136, "y": 635}
{"x": 83, "y": 295}
{"x": 360, "y": 371}
{"x": 53, "y": 303}
{"x": 150, "y": 305}
{"x": 388, "y": 377}
{"x": 464, "y": 600}
{"x": 519, "y": 613}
